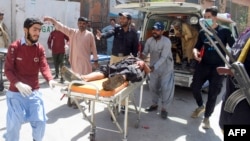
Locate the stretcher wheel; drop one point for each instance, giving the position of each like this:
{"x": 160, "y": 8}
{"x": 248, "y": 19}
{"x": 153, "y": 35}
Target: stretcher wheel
{"x": 1, "y": 86}
{"x": 92, "y": 137}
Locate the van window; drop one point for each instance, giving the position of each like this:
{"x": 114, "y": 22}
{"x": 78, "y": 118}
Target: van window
{"x": 167, "y": 20}
{"x": 178, "y": 48}
{"x": 151, "y": 22}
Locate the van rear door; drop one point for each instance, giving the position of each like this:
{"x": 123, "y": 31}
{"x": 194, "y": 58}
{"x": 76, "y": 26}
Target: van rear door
{"x": 162, "y": 7}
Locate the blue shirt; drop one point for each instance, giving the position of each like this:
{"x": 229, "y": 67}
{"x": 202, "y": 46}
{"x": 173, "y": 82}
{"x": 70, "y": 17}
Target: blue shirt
{"x": 107, "y": 29}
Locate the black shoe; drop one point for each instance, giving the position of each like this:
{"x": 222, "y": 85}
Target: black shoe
{"x": 74, "y": 106}
{"x": 56, "y": 77}
{"x": 151, "y": 108}
{"x": 164, "y": 114}
{"x": 123, "y": 109}
{"x": 61, "y": 80}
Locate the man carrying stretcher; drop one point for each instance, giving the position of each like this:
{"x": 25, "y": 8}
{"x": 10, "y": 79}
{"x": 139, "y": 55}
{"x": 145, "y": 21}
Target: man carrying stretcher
{"x": 128, "y": 69}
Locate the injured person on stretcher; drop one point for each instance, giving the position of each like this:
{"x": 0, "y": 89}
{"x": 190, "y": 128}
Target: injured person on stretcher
{"x": 129, "y": 69}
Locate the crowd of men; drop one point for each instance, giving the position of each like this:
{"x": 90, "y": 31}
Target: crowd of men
{"x": 26, "y": 58}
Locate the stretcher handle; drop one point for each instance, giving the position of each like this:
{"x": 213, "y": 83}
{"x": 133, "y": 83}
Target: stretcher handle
{"x": 210, "y": 31}
{"x": 244, "y": 52}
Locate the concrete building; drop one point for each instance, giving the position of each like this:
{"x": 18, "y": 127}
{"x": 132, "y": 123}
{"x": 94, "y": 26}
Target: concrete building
{"x": 16, "y": 11}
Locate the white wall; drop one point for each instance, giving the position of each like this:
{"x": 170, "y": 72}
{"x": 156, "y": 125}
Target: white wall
{"x": 66, "y": 12}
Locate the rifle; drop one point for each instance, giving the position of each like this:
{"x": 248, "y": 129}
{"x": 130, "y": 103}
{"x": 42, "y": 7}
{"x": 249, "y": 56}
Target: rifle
{"x": 236, "y": 69}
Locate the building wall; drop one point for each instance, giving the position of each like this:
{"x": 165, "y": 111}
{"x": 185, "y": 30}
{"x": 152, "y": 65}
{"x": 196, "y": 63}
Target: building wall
{"x": 244, "y": 3}
{"x": 226, "y": 6}
{"x": 16, "y": 11}
{"x": 97, "y": 10}
{"x": 237, "y": 8}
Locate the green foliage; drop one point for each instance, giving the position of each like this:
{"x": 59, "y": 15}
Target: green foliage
{"x": 240, "y": 16}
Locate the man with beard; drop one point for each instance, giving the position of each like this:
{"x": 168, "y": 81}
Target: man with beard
{"x": 162, "y": 69}
{"x": 81, "y": 43}
{"x": 125, "y": 39}
{"x": 24, "y": 60}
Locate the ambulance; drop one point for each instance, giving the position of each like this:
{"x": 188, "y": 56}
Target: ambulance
{"x": 167, "y": 12}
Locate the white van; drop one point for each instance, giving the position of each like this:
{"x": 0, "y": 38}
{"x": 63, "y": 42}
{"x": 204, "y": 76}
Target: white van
{"x": 167, "y": 12}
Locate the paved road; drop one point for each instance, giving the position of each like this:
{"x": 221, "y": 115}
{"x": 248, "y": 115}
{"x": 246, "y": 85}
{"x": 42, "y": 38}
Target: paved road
{"x": 67, "y": 124}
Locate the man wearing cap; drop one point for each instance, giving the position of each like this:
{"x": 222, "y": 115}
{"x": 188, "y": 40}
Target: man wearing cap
{"x": 82, "y": 45}
{"x": 4, "y": 37}
{"x": 162, "y": 69}
{"x": 25, "y": 58}
{"x": 125, "y": 39}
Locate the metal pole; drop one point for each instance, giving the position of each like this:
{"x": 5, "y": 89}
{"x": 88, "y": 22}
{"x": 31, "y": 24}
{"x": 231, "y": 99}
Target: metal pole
{"x": 13, "y": 21}
{"x": 66, "y": 11}
{"x": 230, "y": 6}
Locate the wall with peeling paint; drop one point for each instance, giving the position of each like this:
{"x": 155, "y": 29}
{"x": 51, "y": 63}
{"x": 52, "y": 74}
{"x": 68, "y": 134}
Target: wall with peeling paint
{"x": 16, "y": 11}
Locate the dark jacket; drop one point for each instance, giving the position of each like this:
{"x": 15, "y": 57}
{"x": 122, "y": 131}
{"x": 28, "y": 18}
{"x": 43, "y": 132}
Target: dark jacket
{"x": 124, "y": 42}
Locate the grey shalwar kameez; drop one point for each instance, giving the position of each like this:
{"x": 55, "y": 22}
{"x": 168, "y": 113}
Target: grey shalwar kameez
{"x": 162, "y": 78}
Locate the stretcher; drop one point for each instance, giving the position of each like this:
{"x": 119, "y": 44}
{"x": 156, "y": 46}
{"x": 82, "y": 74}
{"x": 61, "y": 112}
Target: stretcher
{"x": 93, "y": 93}
{"x": 102, "y": 59}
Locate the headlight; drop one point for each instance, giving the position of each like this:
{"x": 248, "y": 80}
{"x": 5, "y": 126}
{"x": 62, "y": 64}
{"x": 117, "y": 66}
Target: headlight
{"x": 193, "y": 20}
